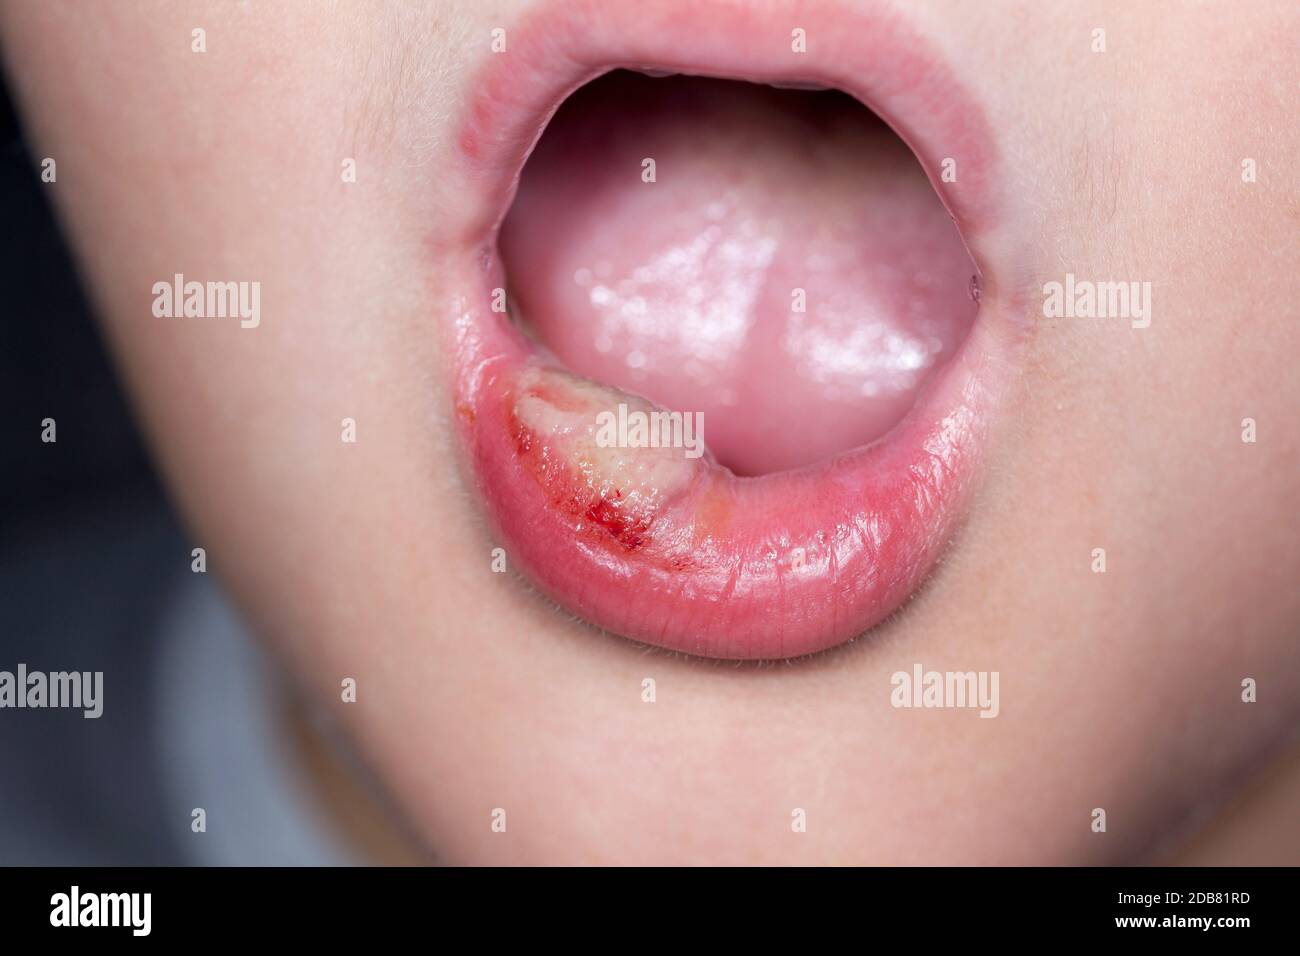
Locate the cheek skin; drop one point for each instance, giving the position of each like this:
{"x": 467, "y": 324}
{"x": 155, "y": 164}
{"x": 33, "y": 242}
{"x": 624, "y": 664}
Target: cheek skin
{"x": 474, "y": 696}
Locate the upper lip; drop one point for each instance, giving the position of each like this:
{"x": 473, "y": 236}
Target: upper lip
{"x": 806, "y": 559}
{"x": 867, "y": 50}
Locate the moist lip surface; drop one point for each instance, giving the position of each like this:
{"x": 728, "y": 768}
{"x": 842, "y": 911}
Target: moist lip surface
{"x": 645, "y": 542}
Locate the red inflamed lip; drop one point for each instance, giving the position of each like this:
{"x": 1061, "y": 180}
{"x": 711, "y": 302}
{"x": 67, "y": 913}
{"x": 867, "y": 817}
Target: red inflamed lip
{"x": 723, "y": 385}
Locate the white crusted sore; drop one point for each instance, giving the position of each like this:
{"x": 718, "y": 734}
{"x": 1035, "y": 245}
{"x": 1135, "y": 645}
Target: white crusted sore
{"x": 573, "y": 416}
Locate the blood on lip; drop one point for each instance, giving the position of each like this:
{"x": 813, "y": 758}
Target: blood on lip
{"x": 630, "y": 532}
{"x": 684, "y": 554}
{"x": 568, "y": 490}
{"x": 617, "y": 490}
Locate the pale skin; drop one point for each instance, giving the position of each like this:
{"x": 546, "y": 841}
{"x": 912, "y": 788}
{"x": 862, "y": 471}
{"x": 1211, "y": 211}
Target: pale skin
{"x": 371, "y": 560}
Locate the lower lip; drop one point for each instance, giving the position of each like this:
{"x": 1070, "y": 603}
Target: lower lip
{"x": 774, "y": 566}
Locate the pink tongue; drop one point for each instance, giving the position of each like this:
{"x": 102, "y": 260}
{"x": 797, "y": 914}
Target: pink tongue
{"x": 789, "y": 272}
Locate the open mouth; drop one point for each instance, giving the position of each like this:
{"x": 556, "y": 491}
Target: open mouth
{"x": 725, "y": 352}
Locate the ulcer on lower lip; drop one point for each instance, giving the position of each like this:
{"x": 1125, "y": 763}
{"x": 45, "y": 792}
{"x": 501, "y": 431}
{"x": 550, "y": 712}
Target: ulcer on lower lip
{"x": 560, "y": 436}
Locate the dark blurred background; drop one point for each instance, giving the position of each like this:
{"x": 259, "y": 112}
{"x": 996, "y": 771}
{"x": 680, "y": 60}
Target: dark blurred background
{"x": 82, "y": 520}
{"x": 52, "y": 362}
{"x": 95, "y": 576}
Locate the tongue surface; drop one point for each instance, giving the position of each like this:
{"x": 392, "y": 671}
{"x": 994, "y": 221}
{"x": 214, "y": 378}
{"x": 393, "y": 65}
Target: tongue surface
{"x": 789, "y": 271}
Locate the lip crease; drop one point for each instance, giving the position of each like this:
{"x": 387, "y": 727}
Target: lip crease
{"x": 684, "y": 554}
